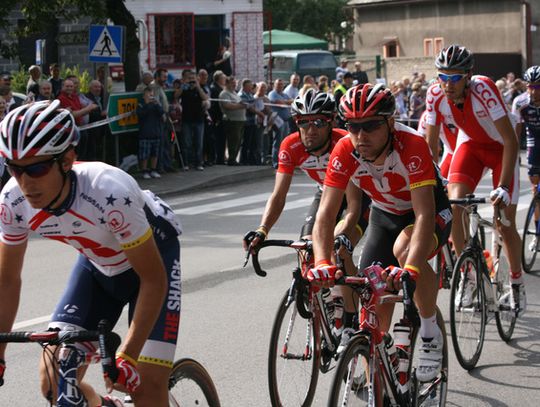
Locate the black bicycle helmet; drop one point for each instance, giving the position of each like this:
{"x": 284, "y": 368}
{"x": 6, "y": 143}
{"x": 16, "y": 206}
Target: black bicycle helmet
{"x": 455, "y": 57}
{"x": 314, "y": 102}
{"x": 532, "y": 74}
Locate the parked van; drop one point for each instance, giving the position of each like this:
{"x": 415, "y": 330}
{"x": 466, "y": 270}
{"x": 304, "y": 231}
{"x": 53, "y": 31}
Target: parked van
{"x": 304, "y": 62}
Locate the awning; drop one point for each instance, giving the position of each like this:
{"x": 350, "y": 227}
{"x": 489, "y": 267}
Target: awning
{"x": 291, "y": 40}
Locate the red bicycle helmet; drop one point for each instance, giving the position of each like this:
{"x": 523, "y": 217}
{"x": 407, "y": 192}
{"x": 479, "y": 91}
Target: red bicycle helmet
{"x": 367, "y": 100}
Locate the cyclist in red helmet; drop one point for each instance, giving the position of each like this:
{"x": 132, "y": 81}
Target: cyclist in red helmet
{"x": 410, "y": 214}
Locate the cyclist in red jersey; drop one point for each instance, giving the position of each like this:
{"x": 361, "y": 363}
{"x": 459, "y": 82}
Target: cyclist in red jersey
{"x": 410, "y": 215}
{"x": 486, "y": 139}
{"x": 309, "y": 149}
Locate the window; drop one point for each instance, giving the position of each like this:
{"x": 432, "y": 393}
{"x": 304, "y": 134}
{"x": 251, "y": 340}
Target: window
{"x": 428, "y": 47}
{"x": 174, "y": 40}
{"x": 439, "y": 45}
{"x": 432, "y": 46}
{"x": 316, "y": 61}
{"x": 391, "y": 50}
{"x": 282, "y": 63}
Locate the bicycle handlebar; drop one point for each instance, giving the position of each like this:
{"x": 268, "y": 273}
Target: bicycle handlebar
{"x": 472, "y": 200}
{"x": 301, "y": 244}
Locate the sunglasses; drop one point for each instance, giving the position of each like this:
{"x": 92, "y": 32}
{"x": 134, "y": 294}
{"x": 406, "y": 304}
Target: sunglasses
{"x": 455, "y": 77}
{"x": 36, "y": 170}
{"x": 365, "y": 126}
{"x": 319, "y": 123}
{"x": 535, "y": 86}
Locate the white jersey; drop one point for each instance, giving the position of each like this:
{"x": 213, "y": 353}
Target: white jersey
{"x": 105, "y": 213}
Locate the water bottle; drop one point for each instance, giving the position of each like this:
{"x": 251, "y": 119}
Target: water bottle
{"x": 338, "y": 316}
{"x": 402, "y": 341}
{"x": 329, "y": 304}
{"x": 391, "y": 351}
{"x": 489, "y": 263}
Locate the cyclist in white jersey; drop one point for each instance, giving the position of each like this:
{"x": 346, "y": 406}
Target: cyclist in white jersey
{"x": 127, "y": 239}
{"x": 486, "y": 139}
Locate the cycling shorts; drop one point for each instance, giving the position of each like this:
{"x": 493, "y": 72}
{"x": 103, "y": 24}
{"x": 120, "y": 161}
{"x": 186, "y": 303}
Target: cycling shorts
{"x": 444, "y": 165}
{"x": 385, "y": 227}
{"x": 471, "y": 159}
{"x": 307, "y": 228}
{"x": 533, "y": 159}
{"x": 91, "y": 296}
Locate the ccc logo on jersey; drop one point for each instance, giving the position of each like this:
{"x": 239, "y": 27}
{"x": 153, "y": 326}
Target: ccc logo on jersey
{"x": 486, "y": 94}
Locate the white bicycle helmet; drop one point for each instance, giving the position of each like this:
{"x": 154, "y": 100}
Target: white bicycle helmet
{"x": 314, "y": 102}
{"x": 532, "y": 74}
{"x": 37, "y": 129}
{"x": 455, "y": 57}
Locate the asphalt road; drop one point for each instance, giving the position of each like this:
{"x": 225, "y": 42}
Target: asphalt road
{"x": 227, "y": 312}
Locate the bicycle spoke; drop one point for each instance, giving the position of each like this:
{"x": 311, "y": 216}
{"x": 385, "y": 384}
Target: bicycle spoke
{"x": 530, "y": 241}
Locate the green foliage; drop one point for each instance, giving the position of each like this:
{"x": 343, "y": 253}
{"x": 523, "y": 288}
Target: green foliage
{"x": 20, "y": 78}
{"x": 318, "y": 18}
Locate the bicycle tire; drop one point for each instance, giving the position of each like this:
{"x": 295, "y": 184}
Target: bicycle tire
{"x": 467, "y": 323}
{"x": 190, "y": 385}
{"x": 529, "y": 250}
{"x": 504, "y": 316}
{"x": 431, "y": 393}
{"x": 351, "y": 377}
{"x": 294, "y": 382}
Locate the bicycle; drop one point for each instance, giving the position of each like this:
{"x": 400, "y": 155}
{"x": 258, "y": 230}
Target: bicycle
{"x": 371, "y": 371}
{"x": 302, "y": 336}
{"x": 531, "y": 232}
{"x": 189, "y": 382}
{"x": 479, "y": 293}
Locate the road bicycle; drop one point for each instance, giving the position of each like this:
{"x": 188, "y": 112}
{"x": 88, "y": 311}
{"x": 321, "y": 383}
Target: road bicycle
{"x": 479, "y": 292}
{"x": 371, "y": 371}
{"x": 189, "y": 383}
{"x": 530, "y": 244}
{"x": 302, "y": 342}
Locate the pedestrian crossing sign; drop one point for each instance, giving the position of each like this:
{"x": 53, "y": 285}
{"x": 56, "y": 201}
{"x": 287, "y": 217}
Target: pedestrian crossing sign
{"x": 106, "y": 43}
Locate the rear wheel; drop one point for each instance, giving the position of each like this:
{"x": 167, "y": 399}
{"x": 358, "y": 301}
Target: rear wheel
{"x": 191, "y": 385}
{"x": 530, "y": 242}
{"x": 504, "y": 316}
{"x": 467, "y": 311}
{"x": 294, "y": 356}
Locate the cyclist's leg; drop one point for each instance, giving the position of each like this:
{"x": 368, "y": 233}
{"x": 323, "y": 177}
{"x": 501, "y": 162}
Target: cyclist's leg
{"x": 157, "y": 356}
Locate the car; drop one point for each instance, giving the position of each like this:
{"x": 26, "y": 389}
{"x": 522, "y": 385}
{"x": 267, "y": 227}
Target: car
{"x": 282, "y": 64}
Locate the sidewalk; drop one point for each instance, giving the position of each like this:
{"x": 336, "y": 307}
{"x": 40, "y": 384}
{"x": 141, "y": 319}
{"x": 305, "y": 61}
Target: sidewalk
{"x": 218, "y": 175}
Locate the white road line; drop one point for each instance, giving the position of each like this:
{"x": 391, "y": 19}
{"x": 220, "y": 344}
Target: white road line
{"x": 299, "y": 203}
{"x": 30, "y": 322}
{"x": 199, "y": 197}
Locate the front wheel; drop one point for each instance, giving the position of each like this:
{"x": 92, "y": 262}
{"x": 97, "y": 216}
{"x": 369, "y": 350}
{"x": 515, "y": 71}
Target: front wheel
{"x": 294, "y": 356}
{"x": 352, "y": 384}
{"x": 467, "y": 311}
{"x": 530, "y": 242}
{"x": 191, "y": 385}
{"x": 504, "y": 316}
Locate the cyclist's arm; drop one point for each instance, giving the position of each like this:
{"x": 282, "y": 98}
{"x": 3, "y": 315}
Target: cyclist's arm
{"x": 276, "y": 203}
{"x": 432, "y": 137}
{"x": 323, "y": 230}
{"x": 422, "y": 241}
{"x": 354, "y": 210}
{"x": 147, "y": 263}
{"x": 510, "y": 151}
{"x": 11, "y": 263}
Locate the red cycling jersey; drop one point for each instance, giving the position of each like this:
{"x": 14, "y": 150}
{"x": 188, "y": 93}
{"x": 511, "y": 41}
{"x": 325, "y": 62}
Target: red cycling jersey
{"x": 408, "y": 166}
{"x": 292, "y": 154}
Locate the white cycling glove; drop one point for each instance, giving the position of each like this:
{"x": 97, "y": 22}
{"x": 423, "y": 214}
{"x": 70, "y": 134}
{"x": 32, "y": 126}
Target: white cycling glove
{"x": 502, "y": 194}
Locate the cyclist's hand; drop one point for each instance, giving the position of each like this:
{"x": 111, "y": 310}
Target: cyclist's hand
{"x": 393, "y": 276}
{"x": 2, "y": 370}
{"x": 500, "y": 195}
{"x": 342, "y": 243}
{"x": 128, "y": 376}
{"x": 254, "y": 238}
{"x": 323, "y": 274}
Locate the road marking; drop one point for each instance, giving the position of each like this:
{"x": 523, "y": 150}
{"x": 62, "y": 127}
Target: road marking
{"x": 200, "y": 197}
{"x": 299, "y": 203}
{"x": 30, "y": 322}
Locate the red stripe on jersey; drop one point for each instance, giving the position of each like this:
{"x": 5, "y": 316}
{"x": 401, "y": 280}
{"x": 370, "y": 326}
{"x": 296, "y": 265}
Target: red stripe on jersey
{"x": 80, "y": 216}
{"x": 38, "y": 219}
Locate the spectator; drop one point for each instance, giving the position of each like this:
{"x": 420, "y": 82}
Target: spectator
{"x": 3, "y": 108}
{"x": 341, "y": 89}
{"x": 150, "y": 114}
{"x": 33, "y": 82}
{"x": 193, "y": 100}
{"x": 208, "y": 140}
{"x": 11, "y": 102}
{"x": 359, "y": 76}
{"x": 70, "y": 100}
{"x": 175, "y": 114}
{"x": 223, "y": 59}
{"x": 216, "y": 115}
{"x": 342, "y": 68}
{"x": 234, "y": 118}
{"x": 417, "y": 103}
{"x": 146, "y": 80}
{"x": 4, "y": 175}
{"x": 248, "y": 151}
{"x": 159, "y": 85}
{"x": 96, "y": 143}
{"x": 277, "y": 96}
{"x": 401, "y": 105}
{"x": 45, "y": 91}
{"x": 263, "y": 113}
{"x": 322, "y": 84}
{"x": 55, "y": 79}
{"x": 5, "y": 80}
{"x": 308, "y": 83}
{"x": 292, "y": 88}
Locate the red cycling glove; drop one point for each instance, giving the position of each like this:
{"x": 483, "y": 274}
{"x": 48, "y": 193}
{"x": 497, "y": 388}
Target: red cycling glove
{"x": 323, "y": 272}
{"x": 128, "y": 375}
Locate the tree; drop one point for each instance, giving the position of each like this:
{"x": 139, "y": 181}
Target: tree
{"x": 318, "y": 18}
{"x": 38, "y": 12}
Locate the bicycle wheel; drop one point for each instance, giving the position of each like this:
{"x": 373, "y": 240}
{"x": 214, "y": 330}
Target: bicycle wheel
{"x": 505, "y": 316}
{"x": 294, "y": 357}
{"x": 529, "y": 241}
{"x": 445, "y": 261}
{"x": 191, "y": 385}
{"x": 350, "y": 384}
{"x": 467, "y": 311}
{"x": 431, "y": 393}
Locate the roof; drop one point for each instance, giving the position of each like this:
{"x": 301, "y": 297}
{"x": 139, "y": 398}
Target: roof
{"x": 292, "y": 40}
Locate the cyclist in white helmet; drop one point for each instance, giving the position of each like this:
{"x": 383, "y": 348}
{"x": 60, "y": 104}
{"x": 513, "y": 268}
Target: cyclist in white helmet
{"x": 127, "y": 239}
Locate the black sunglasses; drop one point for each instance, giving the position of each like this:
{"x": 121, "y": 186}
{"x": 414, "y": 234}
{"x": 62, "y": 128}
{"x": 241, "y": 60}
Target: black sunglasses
{"x": 365, "y": 126}
{"x": 319, "y": 123}
{"x": 36, "y": 170}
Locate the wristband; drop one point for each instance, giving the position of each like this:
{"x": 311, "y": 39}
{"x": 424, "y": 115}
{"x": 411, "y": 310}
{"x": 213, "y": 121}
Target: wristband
{"x": 262, "y": 230}
{"x": 413, "y": 268}
{"x": 323, "y": 262}
{"x": 126, "y": 357}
